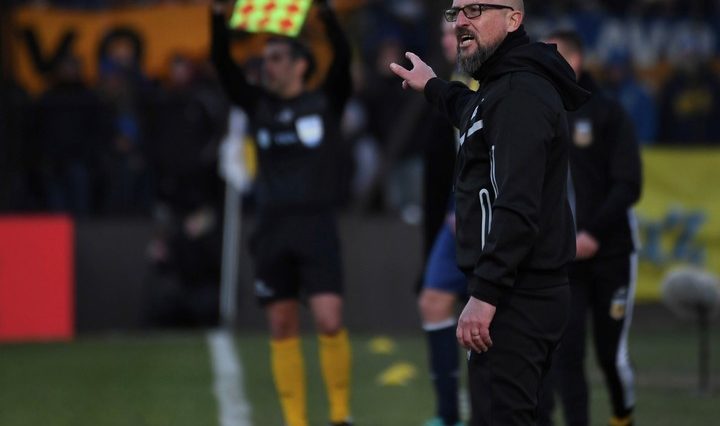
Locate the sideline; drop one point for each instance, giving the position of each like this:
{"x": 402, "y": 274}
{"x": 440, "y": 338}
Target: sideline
{"x": 233, "y": 406}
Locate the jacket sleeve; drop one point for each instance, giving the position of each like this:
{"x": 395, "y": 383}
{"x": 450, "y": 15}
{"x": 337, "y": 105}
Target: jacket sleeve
{"x": 519, "y": 129}
{"x": 338, "y": 81}
{"x": 625, "y": 173}
{"x": 231, "y": 76}
{"x": 450, "y": 98}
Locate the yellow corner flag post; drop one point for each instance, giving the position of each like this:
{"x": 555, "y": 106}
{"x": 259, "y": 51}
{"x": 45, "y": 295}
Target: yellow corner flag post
{"x": 285, "y": 17}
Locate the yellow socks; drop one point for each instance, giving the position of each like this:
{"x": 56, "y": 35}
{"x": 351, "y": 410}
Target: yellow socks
{"x": 621, "y": 421}
{"x": 289, "y": 373}
{"x": 335, "y": 364}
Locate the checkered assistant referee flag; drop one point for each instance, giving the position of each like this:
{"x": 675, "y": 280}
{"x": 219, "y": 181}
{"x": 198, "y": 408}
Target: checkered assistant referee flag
{"x": 284, "y": 17}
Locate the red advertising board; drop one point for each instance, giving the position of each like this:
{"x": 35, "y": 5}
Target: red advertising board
{"x": 36, "y": 278}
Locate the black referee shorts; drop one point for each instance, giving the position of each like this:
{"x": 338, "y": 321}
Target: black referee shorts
{"x": 296, "y": 257}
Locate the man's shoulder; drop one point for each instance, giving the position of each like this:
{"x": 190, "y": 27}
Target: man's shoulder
{"x": 525, "y": 87}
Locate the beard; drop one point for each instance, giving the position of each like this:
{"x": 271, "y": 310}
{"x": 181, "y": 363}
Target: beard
{"x": 472, "y": 63}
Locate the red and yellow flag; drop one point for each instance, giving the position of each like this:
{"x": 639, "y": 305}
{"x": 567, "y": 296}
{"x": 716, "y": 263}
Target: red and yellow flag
{"x": 284, "y": 17}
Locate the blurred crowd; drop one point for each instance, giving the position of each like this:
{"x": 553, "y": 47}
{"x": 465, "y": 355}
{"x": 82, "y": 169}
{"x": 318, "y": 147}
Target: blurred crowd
{"x": 116, "y": 147}
{"x": 132, "y": 145}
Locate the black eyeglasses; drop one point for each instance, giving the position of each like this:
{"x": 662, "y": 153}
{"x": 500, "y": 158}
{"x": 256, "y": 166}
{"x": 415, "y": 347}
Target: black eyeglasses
{"x": 471, "y": 11}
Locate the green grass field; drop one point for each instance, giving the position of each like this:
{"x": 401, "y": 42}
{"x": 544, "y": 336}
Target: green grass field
{"x": 166, "y": 380}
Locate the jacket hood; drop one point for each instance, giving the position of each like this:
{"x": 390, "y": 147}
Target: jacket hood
{"x": 517, "y": 54}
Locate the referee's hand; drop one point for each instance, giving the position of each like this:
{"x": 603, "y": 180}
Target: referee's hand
{"x": 473, "y": 330}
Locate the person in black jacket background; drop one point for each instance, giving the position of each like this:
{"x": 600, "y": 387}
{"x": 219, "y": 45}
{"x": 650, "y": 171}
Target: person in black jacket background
{"x": 182, "y": 123}
{"x": 68, "y": 130}
{"x": 515, "y": 233}
{"x": 295, "y": 246}
{"x": 606, "y": 177}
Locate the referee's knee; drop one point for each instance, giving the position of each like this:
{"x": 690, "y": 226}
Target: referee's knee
{"x": 329, "y": 325}
{"x": 284, "y": 327}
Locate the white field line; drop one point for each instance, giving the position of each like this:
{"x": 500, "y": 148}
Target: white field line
{"x": 233, "y": 406}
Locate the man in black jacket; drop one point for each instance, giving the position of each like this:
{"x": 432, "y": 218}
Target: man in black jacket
{"x": 606, "y": 176}
{"x": 515, "y": 233}
{"x": 295, "y": 246}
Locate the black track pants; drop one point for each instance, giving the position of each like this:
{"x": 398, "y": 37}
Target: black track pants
{"x": 606, "y": 288}
{"x": 505, "y": 381}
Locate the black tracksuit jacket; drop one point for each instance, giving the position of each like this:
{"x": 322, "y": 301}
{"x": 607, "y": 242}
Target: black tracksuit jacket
{"x": 606, "y": 171}
{"x": 514, "y": 223}
{"x": 297, "y": 138}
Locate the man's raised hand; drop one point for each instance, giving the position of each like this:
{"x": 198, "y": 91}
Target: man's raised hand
{"x": 417, "y": 77}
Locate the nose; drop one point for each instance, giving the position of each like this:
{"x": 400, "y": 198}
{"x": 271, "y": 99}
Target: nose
{"x": 462, "y": 20}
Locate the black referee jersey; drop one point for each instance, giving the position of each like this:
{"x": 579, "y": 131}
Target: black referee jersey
{"x": 297, "y": 139}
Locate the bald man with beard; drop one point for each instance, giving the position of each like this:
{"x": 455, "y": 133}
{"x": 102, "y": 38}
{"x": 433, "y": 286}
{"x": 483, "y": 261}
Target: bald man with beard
{"x": 515, "y": 232}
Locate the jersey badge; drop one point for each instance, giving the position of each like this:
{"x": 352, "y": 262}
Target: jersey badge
{"x": 583, "y": 134}
{"x": 310, "y": 130}
{"x": 618, "y": 305}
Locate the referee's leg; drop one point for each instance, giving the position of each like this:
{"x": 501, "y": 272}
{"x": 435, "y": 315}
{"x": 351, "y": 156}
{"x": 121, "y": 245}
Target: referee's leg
{"x": 286, "y": 359}
{"x": 321, "y": 272}
{"x": 505, "y": 381}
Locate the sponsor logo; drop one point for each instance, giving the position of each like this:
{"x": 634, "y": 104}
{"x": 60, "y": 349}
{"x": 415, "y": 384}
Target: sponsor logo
{"x": 286, "y": 138}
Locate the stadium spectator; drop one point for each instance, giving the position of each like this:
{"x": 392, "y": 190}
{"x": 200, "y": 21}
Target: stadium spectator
{"x": 634, "y": 97}
{"x": 400, "y": 20}
{"x": 122, "y": 84}
{"x": 690, "y": 101}
{"x": 15, "y": 156}
{"x": 399, "y": 137}
{"x": 295, "y": 246}
{"x": 514, "y": 223}
{"x": 182, "y": 131}
{"x": 443, "y": 284}
{"x": 606, "y": 182}
{"x": 68, "y": 131}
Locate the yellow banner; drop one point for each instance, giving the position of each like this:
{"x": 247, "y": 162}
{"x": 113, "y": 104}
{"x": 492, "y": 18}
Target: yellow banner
{"x": 162, "y": 31}
{"x": 42, "y": 35}
{"x": 284, "y": 17}
{"x": 679, "y": 214}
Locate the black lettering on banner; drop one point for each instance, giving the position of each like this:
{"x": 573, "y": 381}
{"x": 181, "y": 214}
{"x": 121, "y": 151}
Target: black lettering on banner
{"x": 45, "y": 64}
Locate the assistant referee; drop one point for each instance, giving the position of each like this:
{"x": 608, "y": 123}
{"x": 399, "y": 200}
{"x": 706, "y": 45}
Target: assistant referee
{"x": 295, "y": 246}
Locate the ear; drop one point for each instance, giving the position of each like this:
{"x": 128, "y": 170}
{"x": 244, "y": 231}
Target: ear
{"x": 515, "y": 19}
